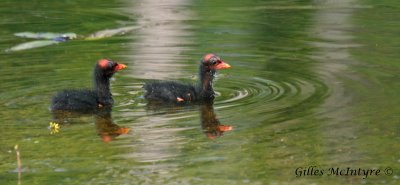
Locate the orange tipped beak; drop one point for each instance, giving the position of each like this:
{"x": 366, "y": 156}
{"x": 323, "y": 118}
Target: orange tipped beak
{"x": 123, "y": 130}
{"x": 120, "y": 67}
{"x": 225, "y": 128}
{"x": 222, "y": 65}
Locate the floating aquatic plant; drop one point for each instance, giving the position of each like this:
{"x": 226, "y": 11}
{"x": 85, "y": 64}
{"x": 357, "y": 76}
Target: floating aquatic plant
{"x": 54, "y": 128}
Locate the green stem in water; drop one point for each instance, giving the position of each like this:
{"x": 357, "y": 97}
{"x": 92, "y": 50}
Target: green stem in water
{"x": 18, "y": 163}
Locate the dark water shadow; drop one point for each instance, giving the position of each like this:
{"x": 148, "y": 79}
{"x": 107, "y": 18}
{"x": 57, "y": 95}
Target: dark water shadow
{"x": 105, "y": 126}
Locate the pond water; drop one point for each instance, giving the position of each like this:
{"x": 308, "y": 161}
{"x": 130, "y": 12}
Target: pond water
{"x": 312, "y": 83}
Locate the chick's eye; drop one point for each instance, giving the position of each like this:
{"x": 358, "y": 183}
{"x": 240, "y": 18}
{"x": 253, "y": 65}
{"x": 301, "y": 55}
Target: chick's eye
{"x": 213, "y": 61}
{"x": 110, "y": 65}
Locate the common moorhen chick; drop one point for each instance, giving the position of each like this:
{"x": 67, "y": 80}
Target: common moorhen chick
{"x": 89, "y": 101}
{"x": 175, "y": 92}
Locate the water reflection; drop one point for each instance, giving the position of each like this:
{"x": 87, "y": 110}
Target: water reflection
{"x": 210, "y": 124}
{"x": 161, "y": 38}
{"x": 332, "y": 29}
{"x": 157, "y": 54}
{"x": 105, "y": 126}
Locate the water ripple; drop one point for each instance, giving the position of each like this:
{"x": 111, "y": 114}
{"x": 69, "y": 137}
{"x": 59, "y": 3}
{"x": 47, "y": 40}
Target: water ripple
{"x": 280, "y": 95}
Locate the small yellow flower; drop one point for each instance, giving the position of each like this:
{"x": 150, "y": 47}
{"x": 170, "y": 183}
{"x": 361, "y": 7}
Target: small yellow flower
{"x": 54, "y": 128}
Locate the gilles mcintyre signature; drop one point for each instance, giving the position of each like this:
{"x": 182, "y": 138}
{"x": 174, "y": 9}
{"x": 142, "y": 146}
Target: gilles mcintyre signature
{"x": 338, "y": 171}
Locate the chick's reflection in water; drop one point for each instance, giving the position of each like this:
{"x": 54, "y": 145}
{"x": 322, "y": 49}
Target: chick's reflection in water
{"x": 105, "y": 126}
{"x": 210, "y": 124}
